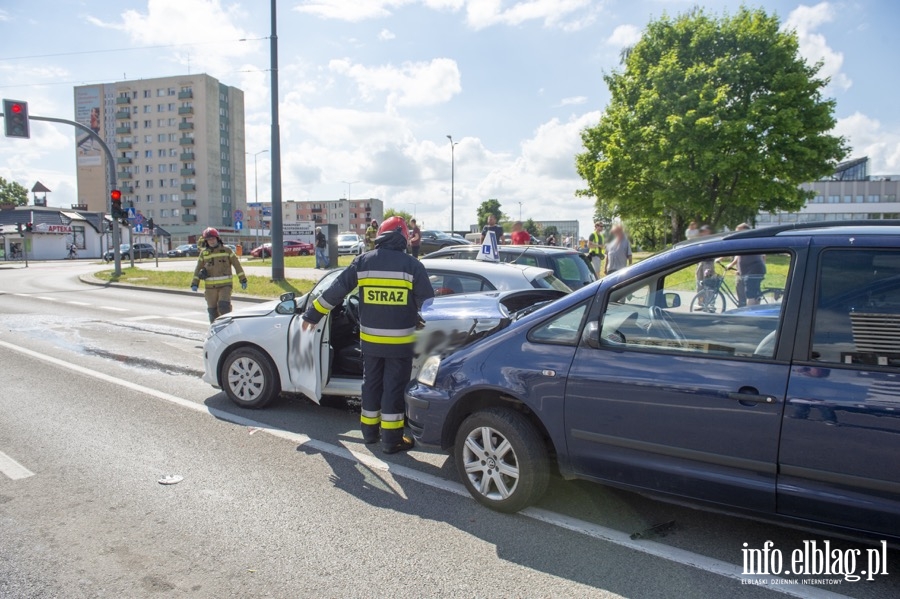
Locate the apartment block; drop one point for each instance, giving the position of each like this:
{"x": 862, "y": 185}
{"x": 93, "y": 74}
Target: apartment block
{"x": 349, "y": 215}
{"x": 179, "y": 150}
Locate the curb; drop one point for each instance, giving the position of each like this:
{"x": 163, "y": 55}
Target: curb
{"x": 90, "y": 279}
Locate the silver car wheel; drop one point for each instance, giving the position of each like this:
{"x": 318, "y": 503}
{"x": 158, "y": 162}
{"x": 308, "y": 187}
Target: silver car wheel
{"x": 491, "y": 463}
{"x": 246, "y": 379}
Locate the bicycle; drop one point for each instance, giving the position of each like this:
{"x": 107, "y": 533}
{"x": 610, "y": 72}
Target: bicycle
{"x": 715, "y": 292}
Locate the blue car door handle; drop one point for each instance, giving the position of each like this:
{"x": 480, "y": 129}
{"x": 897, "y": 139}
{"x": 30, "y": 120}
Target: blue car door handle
{"x": 751, "y": 398}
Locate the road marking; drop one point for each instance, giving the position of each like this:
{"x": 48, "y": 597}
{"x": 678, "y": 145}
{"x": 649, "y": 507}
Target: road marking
{"x": 191, "y": 320}
{"x": 12, "y": 468}
{"x": 114, "y": 309}
{"x": 78, "y": 303}
{"x": 49, "y": 299}
{"x": 137, "y": 318}
{"x": 596, "y": 531}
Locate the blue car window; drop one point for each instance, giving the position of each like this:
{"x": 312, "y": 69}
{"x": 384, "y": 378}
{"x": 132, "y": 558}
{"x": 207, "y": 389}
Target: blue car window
{"x": 857, "y": 320}
{"x": 563, "y": 329}
{"x": 702, "y": 310}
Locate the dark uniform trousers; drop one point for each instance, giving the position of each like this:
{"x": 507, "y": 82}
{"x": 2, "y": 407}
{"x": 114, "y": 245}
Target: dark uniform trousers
{"x": 384, "y": 383}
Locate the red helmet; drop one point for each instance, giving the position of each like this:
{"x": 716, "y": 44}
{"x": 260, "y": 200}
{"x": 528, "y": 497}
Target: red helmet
{"x": 210, "y": 232}
{"x": 394, "y": 223}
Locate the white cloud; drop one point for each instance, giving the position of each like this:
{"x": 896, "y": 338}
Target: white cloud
{"x": 868, "y": 138}
{"x": 624, "y": 36}
{"x": 361, "y": 10}
{"x": 410, "y": 84}
{"x": 4, "y": 16}
{"x": 385, "y": 35}
{"x": 805, "y": 20}
{"x": 572, "y": 101}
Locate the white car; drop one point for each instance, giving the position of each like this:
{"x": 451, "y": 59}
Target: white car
{"x": 256, "y": 353}
{"x": 351, "y": 243}
{"x": 451, "y": 276}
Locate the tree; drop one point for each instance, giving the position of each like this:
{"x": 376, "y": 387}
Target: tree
{"x": 551, "y": 230}
{"x": 711, "y": 119}
{"x": 487, "y": 208}
{"x": 401, "y": 213}
{"x": 532, "y": 227}
{"x": 12, "y": 193}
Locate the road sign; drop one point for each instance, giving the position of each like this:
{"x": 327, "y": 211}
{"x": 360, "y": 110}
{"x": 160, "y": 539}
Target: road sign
{"x": 267, "y": 211}
{"x": 238, "y": 215}
{"x": 139, "y": 228}
{"x": 238, "y": 225}
{"x": 254, "y": 205}
{"x": 131, "y": 212}
{"x": 139, "y": 218}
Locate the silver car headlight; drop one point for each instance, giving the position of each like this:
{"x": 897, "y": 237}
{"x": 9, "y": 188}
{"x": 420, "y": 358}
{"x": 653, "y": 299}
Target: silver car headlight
{"x": 218, "y": 325}
{"x": 429, "y": 371}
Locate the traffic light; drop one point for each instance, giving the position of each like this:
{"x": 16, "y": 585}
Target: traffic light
{"x": 19, "y": 228}
{"x": 29, "y": 227}
{"x": 15, "y": 119}
{"x": 150, "y": 225}
{"x": 115, "y": 198}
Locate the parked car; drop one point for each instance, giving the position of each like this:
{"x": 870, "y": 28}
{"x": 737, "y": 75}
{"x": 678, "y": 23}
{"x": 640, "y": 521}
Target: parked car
{"x": 351, "y": 243}
{"x": 140, "y": 250}
{"x": 188, "y": 249}
{"x": 291, "y": 248}
{"x": 258, "y": 352}
{"x": 570, "y": 266}
{"x": 787, "y": 411}
{"x": 448, "y": 278}
{"x": 436, "y": 240}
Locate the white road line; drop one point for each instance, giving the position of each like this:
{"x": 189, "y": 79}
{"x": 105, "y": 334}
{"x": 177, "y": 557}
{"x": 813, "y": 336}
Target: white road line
{"x": 191, "y": 320}
{"x": 114, "y": 309}
{"x": 78, "y": 303}
{"x": 137, "y": 318}
{"x": 616, "y": 537}
{"x": 49, "y": 299}
{"x": 12, "y": 468}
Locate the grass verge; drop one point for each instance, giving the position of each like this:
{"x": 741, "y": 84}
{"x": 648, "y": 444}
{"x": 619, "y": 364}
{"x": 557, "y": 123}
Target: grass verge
{"x": 294, "y": 261}
{"x": 258, "y": 286}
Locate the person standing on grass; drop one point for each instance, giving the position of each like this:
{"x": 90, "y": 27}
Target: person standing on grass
{"x": 371, "y": 234}
{"x": 595, "y": 247}
{"x": 618, "y": 252}
{"x": 321, "y": 249}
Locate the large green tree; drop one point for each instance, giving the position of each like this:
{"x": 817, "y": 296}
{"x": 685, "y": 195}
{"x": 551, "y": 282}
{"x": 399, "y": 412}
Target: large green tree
{"x": 710, "y": 118}
{"x": 394, "y": 212}
{"x": 13, "y": 193}
{"x": 487, "y": 208}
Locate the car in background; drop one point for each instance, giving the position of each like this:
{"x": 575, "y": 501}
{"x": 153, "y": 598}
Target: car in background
{"x": 787, "y": 411}
{"x": 182, "y": 251}
{"x": 570, "y": 266}
{"x": 256, "y": 353}
{"x": 291, "y": 248}
{"x": 433, "y": 241}
{"x": 138, "y": 250}
{"x": 351, "y": 243}
{"x": 449, "y": 277}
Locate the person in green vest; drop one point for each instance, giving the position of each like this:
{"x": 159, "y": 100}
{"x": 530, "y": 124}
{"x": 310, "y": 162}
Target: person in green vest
{"x": 595, "y": 247}
{"x": 371, "y": 234}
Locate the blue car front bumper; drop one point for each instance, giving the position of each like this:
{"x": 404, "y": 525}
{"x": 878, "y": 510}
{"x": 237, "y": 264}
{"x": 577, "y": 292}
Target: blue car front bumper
{"x": 427, "y": 409}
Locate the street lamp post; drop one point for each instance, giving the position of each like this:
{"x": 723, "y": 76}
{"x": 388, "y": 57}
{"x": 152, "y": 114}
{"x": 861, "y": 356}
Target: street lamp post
{"x": 256, "y": 193}
{"x": 414, "y": 205}
{"x": 520, "y": 210}
{"x": 349, "y": 185}
{"x": 452, "y": 183}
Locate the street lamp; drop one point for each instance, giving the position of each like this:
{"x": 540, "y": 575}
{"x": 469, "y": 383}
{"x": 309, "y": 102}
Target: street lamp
{"x": 414, "y": 204}
{"x": 452, "y": 182}
{"x": 256, "y": 192}
{"x": 349, "y": 185}
{"x": 520, "y": 210}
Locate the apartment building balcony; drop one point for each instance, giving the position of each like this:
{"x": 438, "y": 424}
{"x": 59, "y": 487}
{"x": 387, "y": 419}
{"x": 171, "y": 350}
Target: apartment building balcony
{"x": 188, "y": 187}
{"x": 187, "y": 156}
{"x": 123, "y": 160}
{"x": 186, "y": 141}
{"x": 186, "y": 110}
{"x": 185, "y": 95}
{"x": 188, "y": 172}
{"x": 186, "y": 126}
{"x": 189, "y": 203}
{"x": 126, "y": 189}
{"x": 188, "y": 218}
{"x": 123, "y": 145}
{"x": 123, "y": 100}
{"x": 315, "y": 210}
{"x": 123, "y": 130}
{"x": 123, "y": 175}
{"x": 123, "y": 115}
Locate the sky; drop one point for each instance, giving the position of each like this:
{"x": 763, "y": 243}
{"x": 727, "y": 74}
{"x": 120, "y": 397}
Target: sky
{"x": 370, "y": 89}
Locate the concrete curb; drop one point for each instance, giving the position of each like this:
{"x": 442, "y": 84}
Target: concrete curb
{"x": 90, "y": 279}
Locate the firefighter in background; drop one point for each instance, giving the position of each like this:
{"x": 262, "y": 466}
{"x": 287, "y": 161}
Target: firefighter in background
{"x": 371, "y": 234}
{"x": 392, "y": 288}
{"x": 214, "y": 269}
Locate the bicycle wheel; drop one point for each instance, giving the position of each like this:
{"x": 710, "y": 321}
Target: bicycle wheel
{"x": 772, "y": 295}
{"x": 708, "y": 301}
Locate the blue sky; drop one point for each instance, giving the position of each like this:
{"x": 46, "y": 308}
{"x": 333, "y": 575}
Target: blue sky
{"x": 371, "y": 88}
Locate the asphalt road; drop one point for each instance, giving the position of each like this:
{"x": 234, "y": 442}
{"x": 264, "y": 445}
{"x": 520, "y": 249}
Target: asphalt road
{"x": 100, "y": 398}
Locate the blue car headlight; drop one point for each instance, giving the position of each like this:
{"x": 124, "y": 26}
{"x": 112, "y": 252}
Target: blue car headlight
{"x": 429, "y": 371}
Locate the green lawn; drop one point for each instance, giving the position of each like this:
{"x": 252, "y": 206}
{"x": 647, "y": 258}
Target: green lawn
{"x": 258, "y": 286}
{"x": 776, "y": 274}
{"x": 295, "y": 261}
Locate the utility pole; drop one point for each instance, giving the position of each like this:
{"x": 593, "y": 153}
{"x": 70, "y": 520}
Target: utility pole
{"x": 277, "y": 227}
{"x": 256, "y": 193}
{"x": 452, "y": 183}
{"x": 349, "y": 187}
{"x": 520, "y": 210}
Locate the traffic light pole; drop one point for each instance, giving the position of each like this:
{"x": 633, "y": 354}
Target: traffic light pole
{"x": 111, "y": 163}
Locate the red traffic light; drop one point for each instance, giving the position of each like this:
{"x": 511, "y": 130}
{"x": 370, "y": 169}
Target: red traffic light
{"x": 115, "y": 195}
{"x": 16, "y": 108}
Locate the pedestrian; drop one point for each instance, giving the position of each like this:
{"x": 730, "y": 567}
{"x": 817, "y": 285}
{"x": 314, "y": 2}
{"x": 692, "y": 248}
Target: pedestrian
{"x": 415, "y": 238}
{"x": 595, "y": 247}
{"x": 519, "y": 235}
{"x": 751, "y": 270}
{"x": 321, "y": 249}
{"x": 707, "y": 268}
{"x": 692, "y": 230}
{"x": 492, "y": 226}
{"x": 214, "y": 269}
{"x": 392, "y": 288}
{"x": 618, "y": 251}
{"x": 551, "y": 239}
{"x": 371, "y": 234}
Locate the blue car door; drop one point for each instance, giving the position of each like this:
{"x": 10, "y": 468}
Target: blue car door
{"x": 841, "y": 433}
{"x": 682, "y": 396}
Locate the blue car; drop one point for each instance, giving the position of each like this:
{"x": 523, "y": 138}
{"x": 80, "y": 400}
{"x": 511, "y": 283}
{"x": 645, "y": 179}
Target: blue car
{"x": 786, "y": 409}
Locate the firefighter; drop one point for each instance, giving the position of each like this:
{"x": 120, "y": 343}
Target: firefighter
{"x": 392, "y": 288}
{"x": 214, "y": 269}
{"x": 371, "y": 234}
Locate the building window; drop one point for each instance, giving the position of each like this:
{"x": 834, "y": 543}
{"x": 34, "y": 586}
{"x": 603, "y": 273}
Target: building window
{"x": 874, "y": 199}
{"x": 147, "y": 93}
{"x": 172, "y": 91}
{"x": 160, "y": 93}
{"x": 889, "y": 198}
{"x": 149, "y": 199}
{"x": 859, "y": 199}
{"x": 148, "y": 139}
{"x": 148, "y": 153}
{"x": 148, "y": 124}
{"x": 834, "y": 199}
{"x": 176, "y": 212}
{"x": 171, "y": 107}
